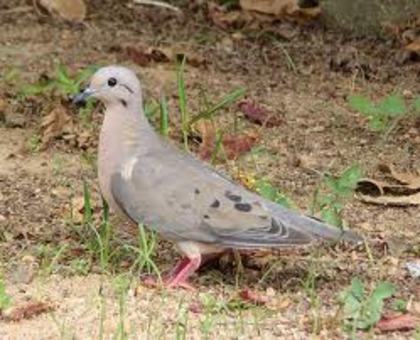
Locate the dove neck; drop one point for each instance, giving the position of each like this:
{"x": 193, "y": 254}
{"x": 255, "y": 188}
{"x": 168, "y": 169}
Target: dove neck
{"x": 125, "y": 130}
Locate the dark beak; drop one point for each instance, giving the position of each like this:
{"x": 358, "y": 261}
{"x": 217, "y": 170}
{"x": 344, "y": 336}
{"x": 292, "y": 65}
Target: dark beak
{"x": 80, "y": 98}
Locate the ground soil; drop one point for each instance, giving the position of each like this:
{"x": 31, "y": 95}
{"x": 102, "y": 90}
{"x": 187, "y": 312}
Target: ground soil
{"x": 43, "y": 246}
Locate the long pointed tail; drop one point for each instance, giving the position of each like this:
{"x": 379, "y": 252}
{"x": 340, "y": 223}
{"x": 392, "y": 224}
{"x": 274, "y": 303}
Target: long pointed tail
{"x": 312, "y": 226}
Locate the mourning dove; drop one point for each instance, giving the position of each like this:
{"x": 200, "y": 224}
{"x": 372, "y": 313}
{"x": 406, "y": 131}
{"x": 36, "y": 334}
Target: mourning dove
{"x": 149, "y": 181}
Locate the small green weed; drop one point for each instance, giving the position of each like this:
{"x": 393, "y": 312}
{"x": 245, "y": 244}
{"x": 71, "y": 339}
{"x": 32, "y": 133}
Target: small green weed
{"x": 181, "y": 326}
{"x": 121, "y": 285}
{"x": 384, "y": 115}
{"x": 100, "y": 244}
{"x": 50, "y": 257}
{"x": 207, "y": 112}
{"x": 309, "y": 285}
{"x": 270, "y": 192}
{"x": 80, "y": 266}
{"x": 5, "y": 299}
{"x": 400, "y": 305}
{"x": 145, "y": 252}
{"x": 363, "y": 310}
{"x": 331, "y": 195}
{"x": 34, "y": 143}
{"x": 164, "y": 117}
{"x": 182, "y": 102}
{"x": 61, "y": 84}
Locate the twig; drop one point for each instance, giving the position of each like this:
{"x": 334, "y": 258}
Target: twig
{"x": 158, "y": 4}
{"x": 20, "y": 9}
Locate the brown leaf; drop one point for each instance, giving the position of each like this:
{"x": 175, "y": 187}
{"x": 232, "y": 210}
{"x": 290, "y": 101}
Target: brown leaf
{"x": 258, "y": 115}
{"x": 410, "y": 179}
{"x": 405, "y": 322}
{"x": 273, "y": 7}
{"x": 137, "y": 55}
{"x": 226, "y": 19}
{"x": 74, "y": 11}
{"x": 281, "y": 9}
{"x": 196, "y": 307}
{"x": 55, "y": 124}
{"x": 253, "y": 297}
{"x": 399, "y": 201}
{"x": 27, "y": 310}
{"x": 233, "y": 145}
{"x": 237, "y": 145}
{"x": 380, "y": 192}
{"x": 414, "y": 46}
{"x": 143, "y": 56}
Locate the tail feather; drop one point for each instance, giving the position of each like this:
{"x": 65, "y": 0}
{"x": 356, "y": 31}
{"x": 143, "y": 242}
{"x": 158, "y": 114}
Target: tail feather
{"x": 312, "y": 226}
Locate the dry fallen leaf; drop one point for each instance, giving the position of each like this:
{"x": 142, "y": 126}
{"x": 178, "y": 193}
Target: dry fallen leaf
{"x": 405, "y": 322}
{"x": 233, "y": 145}
{"x": 258, "y": 115}
{"x": 274, "y": 7}
{"x": 54, "y": 124}
{"x": 74, "y": 10}
{"x": 406, "y": 193}
{"x": 27, "y": 310}
{"x": 226, "y": 19}
{"x": 137, "y": 55}
{"x": 237, "y": 145}
{"x": 143, "y": 56}
{"x": 281, "y": 9}
{"x": 410, "y": 179}
{"x": 414, "y": 46}
{"x": 398, "y": 201}
{"x": 253, "y": 297}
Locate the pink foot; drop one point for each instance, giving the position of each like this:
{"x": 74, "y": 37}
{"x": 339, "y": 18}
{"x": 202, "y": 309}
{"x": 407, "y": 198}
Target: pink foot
{"x": 178, "y": 276}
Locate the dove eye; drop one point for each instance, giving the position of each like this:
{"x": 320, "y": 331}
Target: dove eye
{"x": 112, "y": 82}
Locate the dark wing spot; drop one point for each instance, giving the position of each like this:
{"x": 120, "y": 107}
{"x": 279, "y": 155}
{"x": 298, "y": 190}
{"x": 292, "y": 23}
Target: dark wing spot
{"x": 206, "y": 217}
{"x": 275, "y": 227}
{"x": 185, "y": 206}
{"x": 197, "y": 191}
{"x": 245, "y": 207}
{"x": 233, "y": 197}
{"x": 215, "y": 204}
{"x": 123, "y": 102}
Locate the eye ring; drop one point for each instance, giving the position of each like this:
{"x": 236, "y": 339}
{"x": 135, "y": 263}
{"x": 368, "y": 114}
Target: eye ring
{"x": 112, "y": 82}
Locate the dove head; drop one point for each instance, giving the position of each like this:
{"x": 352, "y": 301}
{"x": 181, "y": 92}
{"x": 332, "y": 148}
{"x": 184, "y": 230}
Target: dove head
{"x": 114, "y": 86}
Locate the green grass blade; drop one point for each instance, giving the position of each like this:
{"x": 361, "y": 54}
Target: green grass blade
{"x": 87, "y": 207}
{"x": 218, "y": 147}
{"x": 225, "y": 101}
{"x": 164, "y": 117}
{"x": 183, "y": 102}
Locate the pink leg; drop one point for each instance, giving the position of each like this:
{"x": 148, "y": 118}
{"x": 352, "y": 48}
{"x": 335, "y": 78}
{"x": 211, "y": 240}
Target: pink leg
{"x": 182, "y": 272}
{"x": 178, "y": 267}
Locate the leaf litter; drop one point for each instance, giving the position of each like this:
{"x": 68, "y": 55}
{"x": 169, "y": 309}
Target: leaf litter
{"x": 404, "y": 192}
{"x": 259, "y": 115}
{"x": 27, "y": 310}
{"x": 56, "y": 123}
{"x": 73, "y": 11}
{"x": 232, "y": 145}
